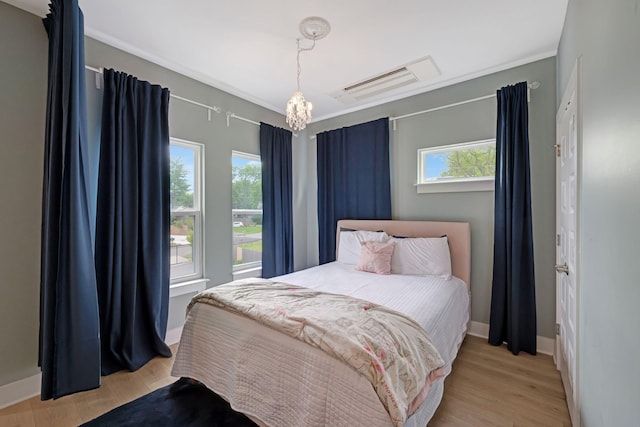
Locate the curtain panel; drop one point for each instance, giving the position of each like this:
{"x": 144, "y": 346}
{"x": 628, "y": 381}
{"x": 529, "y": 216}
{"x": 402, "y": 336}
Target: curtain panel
{"x": 353, "y": 179}
{"x": 69, "y": 347}
{"x": 513, "y": 299}
{"x": 277, "y": 211}
{"x": 133, "y": 222}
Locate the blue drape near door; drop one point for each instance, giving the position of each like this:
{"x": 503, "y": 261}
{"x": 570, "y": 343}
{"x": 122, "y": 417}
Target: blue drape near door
{"x": 133, "y": 222}
{"x": 353, "y": 179}
{"x": 69, "y": 351}
{"x": 513, "y": 299}
{"x": 277, "y": 211}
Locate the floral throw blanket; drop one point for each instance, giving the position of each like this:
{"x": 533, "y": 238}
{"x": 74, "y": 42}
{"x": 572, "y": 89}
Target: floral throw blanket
{"x": 391, "y": 350}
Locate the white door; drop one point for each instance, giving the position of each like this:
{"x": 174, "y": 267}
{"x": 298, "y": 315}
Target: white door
{"x": 567, "y": 134}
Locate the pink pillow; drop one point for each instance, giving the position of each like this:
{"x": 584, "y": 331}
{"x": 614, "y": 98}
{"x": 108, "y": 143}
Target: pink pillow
{"x": 375, "y": 257}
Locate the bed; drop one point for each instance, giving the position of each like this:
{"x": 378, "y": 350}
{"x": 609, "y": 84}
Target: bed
{"x": 278, "y": 380}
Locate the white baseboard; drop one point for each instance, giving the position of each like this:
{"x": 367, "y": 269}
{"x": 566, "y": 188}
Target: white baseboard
{"x": 27, "y": 388}
{"x": 173, "y": 336}
{"x": 20, "y": 390}
{"x": 544, "y": 345}
{"x": 478, "y": 329}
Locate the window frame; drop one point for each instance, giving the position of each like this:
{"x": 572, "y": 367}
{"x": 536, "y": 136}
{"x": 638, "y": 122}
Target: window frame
{"x": 254, "y": 268}
{"x": 183, "y": 284}
{"x": 451, "y": 185}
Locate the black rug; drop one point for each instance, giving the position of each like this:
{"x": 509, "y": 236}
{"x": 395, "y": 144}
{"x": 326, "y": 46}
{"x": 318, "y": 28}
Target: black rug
{"x": 183, "y": 403}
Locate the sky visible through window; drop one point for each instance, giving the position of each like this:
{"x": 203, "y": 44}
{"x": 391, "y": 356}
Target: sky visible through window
{"x": 185, "y": 155}
{"x": 436, "y": 163}
{"x": 241, "y": 161}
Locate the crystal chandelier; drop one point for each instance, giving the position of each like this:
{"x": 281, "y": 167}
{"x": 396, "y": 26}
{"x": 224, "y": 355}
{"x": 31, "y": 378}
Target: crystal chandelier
{"x": 298, "y": 108}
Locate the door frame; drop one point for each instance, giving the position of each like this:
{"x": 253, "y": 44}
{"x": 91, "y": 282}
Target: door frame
{"x": 575, "y": 80}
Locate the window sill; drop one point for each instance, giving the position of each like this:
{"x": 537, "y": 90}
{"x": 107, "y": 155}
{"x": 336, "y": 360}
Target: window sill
{"x": 456, "y": 186}
{"x": 250, "y": 272}
{"x": 183, "y": 288}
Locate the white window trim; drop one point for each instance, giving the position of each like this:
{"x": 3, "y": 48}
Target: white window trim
{"x": 190, "y": 287}
{"x": 457, "y": 186}
{"x": 193, "y": 282}
{"x": 246, "y": 273}
{"x": 452, "y": 185}
{"x": 246, "y": 156}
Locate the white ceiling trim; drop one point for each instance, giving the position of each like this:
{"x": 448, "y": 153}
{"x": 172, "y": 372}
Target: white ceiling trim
{"x": 186, "y": 71}
{"x": 445, "y": 83}
{"x": 466, "y": 38}
{"x": 174, "y": 66}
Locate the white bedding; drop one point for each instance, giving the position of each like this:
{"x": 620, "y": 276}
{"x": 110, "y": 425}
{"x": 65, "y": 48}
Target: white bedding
{"x": 265, "y": 373}
{"x": 440, "y": 306}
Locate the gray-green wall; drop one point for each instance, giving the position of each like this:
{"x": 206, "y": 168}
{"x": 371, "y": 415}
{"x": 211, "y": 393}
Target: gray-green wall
{"x": 606, "y": 35}
{"x": 23, "y": 56}
{"x": 189, "y": 122}
{"x": 469, "y": 122}
{"x": 23, "y": 89}
{"x": 23, "y": 78}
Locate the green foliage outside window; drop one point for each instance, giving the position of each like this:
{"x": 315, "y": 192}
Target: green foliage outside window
{"x": 181, "y": 191}
{"x": 474, "y": 162}
{"x": 246, "y": 186}
{"x": 182, "y": 222}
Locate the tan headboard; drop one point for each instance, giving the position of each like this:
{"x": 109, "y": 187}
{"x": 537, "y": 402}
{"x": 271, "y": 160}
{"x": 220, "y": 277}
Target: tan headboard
{"x": 458, "y": 234}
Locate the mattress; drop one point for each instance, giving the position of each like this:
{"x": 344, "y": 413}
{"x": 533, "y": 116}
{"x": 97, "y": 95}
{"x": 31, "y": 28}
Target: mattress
{"x": 280, "y": 381}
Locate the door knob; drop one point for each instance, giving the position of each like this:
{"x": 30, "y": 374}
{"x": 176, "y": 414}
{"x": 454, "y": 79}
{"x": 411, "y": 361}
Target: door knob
{"x": 564, "y": 268}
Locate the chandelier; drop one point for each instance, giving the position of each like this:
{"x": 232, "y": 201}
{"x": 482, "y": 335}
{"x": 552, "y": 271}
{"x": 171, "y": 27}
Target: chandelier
{"x": 298, "y": 108}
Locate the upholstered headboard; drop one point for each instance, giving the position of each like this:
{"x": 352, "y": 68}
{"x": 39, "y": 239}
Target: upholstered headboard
{"x": 458, "y": 235}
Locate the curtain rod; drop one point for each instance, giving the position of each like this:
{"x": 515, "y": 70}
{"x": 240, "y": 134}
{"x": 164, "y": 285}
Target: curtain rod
{"x": 231, "y": 115}
{"x": 532, "y": 85}
{"x": 209, "y": 108}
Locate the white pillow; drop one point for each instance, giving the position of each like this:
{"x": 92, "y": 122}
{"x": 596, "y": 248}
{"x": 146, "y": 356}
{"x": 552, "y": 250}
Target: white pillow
{"x": 421, "y": 256}
{"x": 349, "y": 247}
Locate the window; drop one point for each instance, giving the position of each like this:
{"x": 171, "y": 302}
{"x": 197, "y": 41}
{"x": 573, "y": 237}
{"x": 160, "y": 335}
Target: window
{"x": 186, "y": 172}
{"x": 470, "y": 166}
{"x": 246, "y": 214}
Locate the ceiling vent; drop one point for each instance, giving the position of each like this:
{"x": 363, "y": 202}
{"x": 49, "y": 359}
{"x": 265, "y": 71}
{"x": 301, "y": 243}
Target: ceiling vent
{"x": 417, "y": 71}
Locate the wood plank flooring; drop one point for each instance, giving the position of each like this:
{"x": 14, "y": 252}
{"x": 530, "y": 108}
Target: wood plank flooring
{"x": 488, "y": 387}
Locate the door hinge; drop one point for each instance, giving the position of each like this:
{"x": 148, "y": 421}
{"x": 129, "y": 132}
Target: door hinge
{"x": 557, "y": 240}
{"x": 557, "y": 328}
{"x": 557, "y": 147}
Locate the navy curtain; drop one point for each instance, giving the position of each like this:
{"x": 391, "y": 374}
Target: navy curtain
{"x": 277, "y": 214}
{"x": 133, "y": 222}
{"x": 353, "y": 179}
{"x": 513, "y": 298}
{"x": 69, "y": 351}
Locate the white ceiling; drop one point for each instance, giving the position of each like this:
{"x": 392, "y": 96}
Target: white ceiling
{"x": 248, "y": 47}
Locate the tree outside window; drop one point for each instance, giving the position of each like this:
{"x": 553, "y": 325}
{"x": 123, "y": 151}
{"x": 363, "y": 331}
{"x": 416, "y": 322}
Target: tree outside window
{"x": 185, "y": 174}
{"x": 472, "y": 160}
{"x": 246, "y": 204}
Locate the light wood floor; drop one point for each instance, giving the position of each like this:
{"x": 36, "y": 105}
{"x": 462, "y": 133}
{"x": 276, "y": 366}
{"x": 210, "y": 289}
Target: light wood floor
{"x": 488, "y": 387}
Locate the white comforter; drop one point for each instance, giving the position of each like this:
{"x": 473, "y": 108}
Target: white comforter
{"x": 280, "y": 381}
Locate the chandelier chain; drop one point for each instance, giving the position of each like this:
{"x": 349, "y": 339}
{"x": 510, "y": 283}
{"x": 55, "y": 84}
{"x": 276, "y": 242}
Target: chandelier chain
{"x": 304, "y": 49}
{"x": 298, "y": 109}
